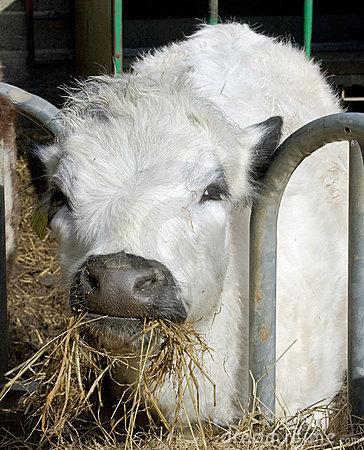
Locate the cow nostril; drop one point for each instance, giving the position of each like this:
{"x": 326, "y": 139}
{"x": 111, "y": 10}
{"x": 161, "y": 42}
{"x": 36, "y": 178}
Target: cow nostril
{"x": 93, "y": 282}
{"x": 144, "y": 282}
{"x": 147, "y": 280}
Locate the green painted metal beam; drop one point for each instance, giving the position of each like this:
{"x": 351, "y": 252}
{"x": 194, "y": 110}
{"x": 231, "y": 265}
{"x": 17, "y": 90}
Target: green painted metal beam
{"x": 213, "y": 12}
{"x": 118, "y": 40}
{"x": 307, "y": 25}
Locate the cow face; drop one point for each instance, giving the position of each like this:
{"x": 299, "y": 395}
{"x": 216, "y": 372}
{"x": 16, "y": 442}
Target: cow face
{"x": 141, "y": 187}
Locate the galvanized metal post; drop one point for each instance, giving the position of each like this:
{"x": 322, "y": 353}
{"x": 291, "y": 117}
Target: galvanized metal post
{"x": 263, "y": 249}
{"x": 3, "y": 302}
{"x": 46, "y": 116}
{"x": 356, "y": 279}
{"x": 33, "y": 107}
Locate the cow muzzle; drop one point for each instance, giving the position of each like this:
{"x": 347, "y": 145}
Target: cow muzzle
{"x": 125, "y": 286}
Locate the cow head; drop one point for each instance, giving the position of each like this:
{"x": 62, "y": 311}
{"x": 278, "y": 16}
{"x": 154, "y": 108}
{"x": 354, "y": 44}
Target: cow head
{"x": 142, "y": 184}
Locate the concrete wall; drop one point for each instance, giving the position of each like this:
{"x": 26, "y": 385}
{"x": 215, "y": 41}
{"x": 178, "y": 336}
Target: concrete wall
{"x": 53, "y": 42}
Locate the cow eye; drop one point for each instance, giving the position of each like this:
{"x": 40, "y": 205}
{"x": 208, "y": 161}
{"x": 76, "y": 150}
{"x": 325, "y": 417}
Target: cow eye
{"x": 213, "y": 192}
{"x": 57, "y": 200}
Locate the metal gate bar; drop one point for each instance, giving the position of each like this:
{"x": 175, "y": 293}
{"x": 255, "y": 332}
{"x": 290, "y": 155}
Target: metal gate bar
{"x": 263, "y": 247}
{"x": 3, "y": 300}
{"x": 45, "y": 115}
{"x": 33, "y": 107}
{"x": 356, "y": 278}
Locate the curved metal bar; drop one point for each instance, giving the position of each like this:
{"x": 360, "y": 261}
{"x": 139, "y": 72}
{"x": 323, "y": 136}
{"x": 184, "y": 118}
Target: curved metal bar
{"x": 35, "y": 108}
{"x": 356, "y": 279}
{"x": 263, "y": 246}
{"x": 3, "y": 299}
{"x": 45, "y": 115}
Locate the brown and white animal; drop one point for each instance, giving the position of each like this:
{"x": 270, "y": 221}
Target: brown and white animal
{"x": 8, "y": 153}
{"x": 150, "y": 186}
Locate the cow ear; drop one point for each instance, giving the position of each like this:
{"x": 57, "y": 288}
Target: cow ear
{"x": 256, "y": 146}
{"x": 269, "y": 134}
{"x": 42, "y": 162}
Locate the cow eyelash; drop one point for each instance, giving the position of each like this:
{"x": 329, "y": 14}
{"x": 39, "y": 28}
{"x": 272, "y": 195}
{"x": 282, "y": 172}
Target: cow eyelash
{"x": 213, "y": 192}
{"x": 57, "y": 200}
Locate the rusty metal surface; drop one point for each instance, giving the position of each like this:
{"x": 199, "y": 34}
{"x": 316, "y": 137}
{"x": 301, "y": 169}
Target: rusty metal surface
{"x": 263, "y": 247}
{"x": 356, "y": 279}
{"x": 3, "y": 300}
{"x": 35, "y": 108}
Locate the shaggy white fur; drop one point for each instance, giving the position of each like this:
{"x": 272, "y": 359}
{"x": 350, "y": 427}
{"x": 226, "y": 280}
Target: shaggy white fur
{"x": 136, "y": 156}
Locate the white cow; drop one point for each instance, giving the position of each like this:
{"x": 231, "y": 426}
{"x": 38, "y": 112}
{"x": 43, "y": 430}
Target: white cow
{"x": 151, "y": 185}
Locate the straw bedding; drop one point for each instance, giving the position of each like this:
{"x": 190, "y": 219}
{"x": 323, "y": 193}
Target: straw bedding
{"x": 70, "y": 408}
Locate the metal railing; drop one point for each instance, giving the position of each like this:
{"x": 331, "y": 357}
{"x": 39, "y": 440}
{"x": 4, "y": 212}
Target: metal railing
{"x": 33, "y": 107}
{"x": 45, "y": 115}
{"x": 263, "y": 250}
{"x": 3, "y": 302}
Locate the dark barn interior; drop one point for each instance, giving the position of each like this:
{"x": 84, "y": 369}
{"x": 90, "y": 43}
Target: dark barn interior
{"x": 41, "y": 40}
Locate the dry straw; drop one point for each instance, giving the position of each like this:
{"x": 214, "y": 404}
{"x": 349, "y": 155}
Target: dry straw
{"x": 66, "y": 407}
{"x": 69, "y": 374}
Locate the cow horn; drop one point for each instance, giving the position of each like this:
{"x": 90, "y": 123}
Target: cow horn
{"x": 35, "y": 108}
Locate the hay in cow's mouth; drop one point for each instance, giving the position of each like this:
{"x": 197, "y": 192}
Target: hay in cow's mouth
{"x": 70, "y": 373}
{"x": 131, "y": 325}
{"x": 121, "y": 331}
